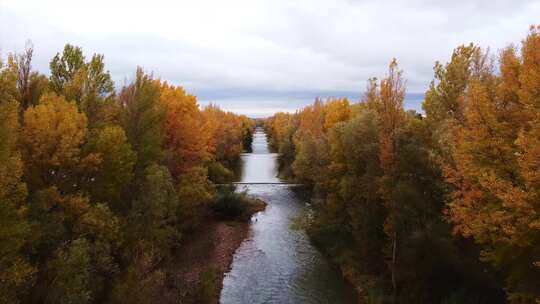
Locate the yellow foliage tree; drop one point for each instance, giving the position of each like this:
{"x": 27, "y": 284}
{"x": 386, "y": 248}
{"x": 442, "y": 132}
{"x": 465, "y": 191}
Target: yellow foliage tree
{"x": 51, "y": 141}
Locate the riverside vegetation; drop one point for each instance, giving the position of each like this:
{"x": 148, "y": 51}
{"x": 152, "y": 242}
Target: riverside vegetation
{"x": 98, "y": 187}
{"x": 103, "y": 190}
{"x": 442, "y": 207}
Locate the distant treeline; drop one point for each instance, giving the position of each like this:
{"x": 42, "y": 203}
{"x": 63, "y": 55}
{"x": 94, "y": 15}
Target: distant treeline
{"x": 442, "y": 207}
{"x": 97, "y": 187}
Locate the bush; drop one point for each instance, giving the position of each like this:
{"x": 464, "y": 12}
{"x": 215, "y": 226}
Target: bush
{"x": 218, "y": 174}
{"x": 232, "y": 205}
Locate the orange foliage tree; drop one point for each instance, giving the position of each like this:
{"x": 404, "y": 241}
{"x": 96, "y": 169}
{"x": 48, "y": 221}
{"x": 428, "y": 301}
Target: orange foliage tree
{"x": 496, "y": 168}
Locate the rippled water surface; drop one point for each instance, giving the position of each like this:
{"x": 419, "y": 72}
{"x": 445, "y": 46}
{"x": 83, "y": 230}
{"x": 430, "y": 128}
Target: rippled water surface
{"x": 277, "y": 264}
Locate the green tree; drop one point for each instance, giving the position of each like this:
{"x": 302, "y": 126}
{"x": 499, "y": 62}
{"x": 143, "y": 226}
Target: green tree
{"x": 71, "y": 75}
{"x": 152, "y": 218}
{"x": 142, "y": 119}
{"x": 54, "y": 216}
{"x": 116, "y": 161}
{"x": 87, "y": 83}
{"x": 64, "y": 68}
{"x": 444, "y": 98}
{"x": 141, "y": 282}
{"x": 72, "y": 270}
{"x": 355, "y": 157}
{"x": 101, "y": 228}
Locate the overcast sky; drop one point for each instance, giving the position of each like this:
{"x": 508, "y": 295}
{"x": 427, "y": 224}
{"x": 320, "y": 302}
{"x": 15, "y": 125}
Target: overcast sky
{"x": 258, "y": 57}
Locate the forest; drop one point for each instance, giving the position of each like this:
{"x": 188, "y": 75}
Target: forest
{"x": 99, "y": 184}
{"x": 102, "y": 185}
{"x": 435, "y": 207}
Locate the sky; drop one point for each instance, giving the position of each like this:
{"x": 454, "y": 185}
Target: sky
{"x": 258, "y": 57}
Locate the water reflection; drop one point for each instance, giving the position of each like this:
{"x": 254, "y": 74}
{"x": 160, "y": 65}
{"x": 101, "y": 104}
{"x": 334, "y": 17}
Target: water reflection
{"x": 278, "y": 264}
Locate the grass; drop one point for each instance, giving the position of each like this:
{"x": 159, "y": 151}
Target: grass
{"x": 209, "y": 285}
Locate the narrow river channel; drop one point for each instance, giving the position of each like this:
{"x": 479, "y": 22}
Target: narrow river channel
{"x": 278, "y": 264}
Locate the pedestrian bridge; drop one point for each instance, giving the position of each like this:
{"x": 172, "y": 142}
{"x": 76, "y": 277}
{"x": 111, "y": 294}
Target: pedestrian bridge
{"x": 259, "y": 183}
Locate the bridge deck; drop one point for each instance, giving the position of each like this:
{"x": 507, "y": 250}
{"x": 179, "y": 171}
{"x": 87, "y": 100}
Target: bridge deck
{"x": 260, "y": 183}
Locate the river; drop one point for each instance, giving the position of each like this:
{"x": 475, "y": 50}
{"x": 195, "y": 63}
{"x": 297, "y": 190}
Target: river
{"x": 278, "y": 264}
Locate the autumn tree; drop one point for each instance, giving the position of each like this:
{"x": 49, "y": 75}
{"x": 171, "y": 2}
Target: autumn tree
{"x": 390, "y": 109}
{"x": 17, "y": 273}
{"x": 51, "y": 141}
{"x": 8, "y": 79}
{"x": 310, "y": 142}
{"x": 96, "y": 188}
{"x": 380, "y": 194}
{"x": 228, "y": 135}
{"x": 336, "y": 110}
{"x": 281, "y": 129}
{"x": 185, "y": 139}
{"x": 185, "y": 146}
{"x": 496, "y": 153}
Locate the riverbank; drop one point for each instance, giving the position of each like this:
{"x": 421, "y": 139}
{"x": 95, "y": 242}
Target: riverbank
{"x": 366, "y": 287}
{"x": 206, "y": 256}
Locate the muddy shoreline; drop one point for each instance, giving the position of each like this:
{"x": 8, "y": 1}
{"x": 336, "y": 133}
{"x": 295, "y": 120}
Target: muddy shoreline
{"x": 196, "y": 272}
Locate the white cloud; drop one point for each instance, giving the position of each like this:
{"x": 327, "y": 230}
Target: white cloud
{"x": 248, "y": 46}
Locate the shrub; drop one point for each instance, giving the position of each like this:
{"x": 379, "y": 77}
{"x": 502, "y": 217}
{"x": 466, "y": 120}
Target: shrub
{"x": 232, "y": 205}
{"x": 217, "y": 173}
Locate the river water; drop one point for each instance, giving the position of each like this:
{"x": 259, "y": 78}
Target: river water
{"x": 278, "y": 264}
